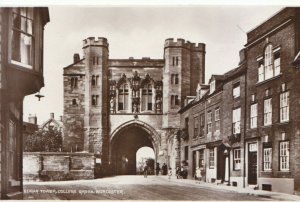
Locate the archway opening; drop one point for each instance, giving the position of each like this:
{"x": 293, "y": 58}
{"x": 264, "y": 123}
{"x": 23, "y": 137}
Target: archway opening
{"x": 145, "y": 156}
{"x": 125, "y": 146}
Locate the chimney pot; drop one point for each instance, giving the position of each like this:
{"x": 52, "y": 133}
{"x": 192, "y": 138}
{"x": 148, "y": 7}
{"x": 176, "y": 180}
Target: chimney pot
{"x": 52, "y": 115}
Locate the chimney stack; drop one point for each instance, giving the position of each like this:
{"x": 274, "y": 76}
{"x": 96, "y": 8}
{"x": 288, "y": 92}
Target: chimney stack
{"x": 51, "y": 115}
{"x": 76, "y": 57}
{"x": 32, "y": 119}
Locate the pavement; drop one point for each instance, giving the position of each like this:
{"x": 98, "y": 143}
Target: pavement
{"x": 260, "y": 193}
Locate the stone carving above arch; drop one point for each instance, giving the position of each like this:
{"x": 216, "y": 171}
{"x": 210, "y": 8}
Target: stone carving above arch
{"x": 123, "y": 80}
{"x": 147, "y": 80}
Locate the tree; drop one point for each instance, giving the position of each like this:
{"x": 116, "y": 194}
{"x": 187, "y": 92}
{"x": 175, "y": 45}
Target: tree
{"x": 44, "y": 140}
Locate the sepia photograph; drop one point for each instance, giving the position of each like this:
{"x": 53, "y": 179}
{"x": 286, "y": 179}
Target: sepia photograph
{"x": 141, "y": 101}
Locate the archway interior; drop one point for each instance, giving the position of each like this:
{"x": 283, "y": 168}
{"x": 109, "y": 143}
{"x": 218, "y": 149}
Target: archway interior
{"x": 145, "y": 156}
{"x": 128, "y": 141}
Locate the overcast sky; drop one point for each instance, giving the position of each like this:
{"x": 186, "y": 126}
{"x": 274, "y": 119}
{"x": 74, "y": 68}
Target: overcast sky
{"x": 140, "y": 32}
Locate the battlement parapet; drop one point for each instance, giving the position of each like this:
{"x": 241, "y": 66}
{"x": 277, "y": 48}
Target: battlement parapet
{"x": 91, "y": 41}
{"x": 181, "y": 43}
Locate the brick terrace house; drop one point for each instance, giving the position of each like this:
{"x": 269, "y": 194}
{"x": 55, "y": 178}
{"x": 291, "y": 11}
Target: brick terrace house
{"x": 21, "y": 74}
{"x": 214, "y": 121}
{"x": 273, "y": 121}
{"x": 260, "y": 129}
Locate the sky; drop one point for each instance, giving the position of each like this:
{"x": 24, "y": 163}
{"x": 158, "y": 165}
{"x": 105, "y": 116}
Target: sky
{"x": 137, "y": 31}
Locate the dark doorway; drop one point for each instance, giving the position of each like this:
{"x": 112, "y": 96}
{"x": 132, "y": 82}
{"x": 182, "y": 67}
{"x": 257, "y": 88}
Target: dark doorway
{"x": 221, "y": 164}
{"x": 252, "y": 164}
{"x": 194, "y": 163}
{"x": 124, "y": 149}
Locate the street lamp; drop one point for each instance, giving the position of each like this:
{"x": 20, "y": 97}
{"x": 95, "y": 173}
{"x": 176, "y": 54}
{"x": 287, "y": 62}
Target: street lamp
{"x": 39, "y": 96}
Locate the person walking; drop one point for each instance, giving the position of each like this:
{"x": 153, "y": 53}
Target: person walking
{"x": 177, "y": 172}
{"x": 164, "y": 169}
{"x": 145, "y": 171}
{"x": 157, "y": 168}
{"x": 170, "y": 174}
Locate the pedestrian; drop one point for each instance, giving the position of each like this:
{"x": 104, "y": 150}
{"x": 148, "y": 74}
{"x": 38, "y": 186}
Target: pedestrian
{"x": 177, "y": 172}
{"x": 164, "y": 169}
{"x": 157, "y": 168}
{"x": 145, "y": 171}
{"x": 170, "y": 174}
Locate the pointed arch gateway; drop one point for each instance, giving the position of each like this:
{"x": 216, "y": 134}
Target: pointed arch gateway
{"x": 126, "y": 140}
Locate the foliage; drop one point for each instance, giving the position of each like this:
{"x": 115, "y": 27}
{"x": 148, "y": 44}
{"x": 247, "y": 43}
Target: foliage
{"x": 145, "y": 161}
{"x": 44, "y": 140}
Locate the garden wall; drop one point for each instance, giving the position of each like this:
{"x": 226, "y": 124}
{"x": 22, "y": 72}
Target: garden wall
{"x": 55, "y": 166}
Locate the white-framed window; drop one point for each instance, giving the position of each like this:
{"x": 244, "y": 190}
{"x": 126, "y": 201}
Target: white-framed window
{"x": 209, "y": 122}
{"x": 123, "y": 97}
{"x": 236, "y": 121}
{"x": 270, "y": 66}
{"x": 253, "y": 116}
{"x": 284, "y": 155}
{"x": 261, "y": 72}
{"x": 22, "y": 33}
{"x": 212, "y": 86}
{"x": 202, "y": 125}
{"x": 217, "y": 119}
{"x": 196, "y": 126}
{"x": 268, "y": 112}
{"x": 147, "y": 97}
{"x": 212, "y": 158}
{"x": 237, "y": 159}
{"x": 276, "y": 63}
{"x": 267, "y": 161}
{"x": 284, "y": 106}
{"x": 236, "y": 90}
{"x": 268, "y": 61}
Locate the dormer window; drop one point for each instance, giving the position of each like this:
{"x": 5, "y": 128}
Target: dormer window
{"x": 212, "y": 86}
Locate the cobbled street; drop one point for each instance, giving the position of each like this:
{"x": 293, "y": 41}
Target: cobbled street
{"x": 129, "y": 188}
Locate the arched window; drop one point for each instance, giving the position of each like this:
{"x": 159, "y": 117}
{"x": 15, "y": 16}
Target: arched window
{"x": 268, "y": 60}
{"x": 123, "y": 97}
{"x": 93, "y": 81}
{"x": 74, "y": 102}
{"x": 176, "y": 100}
{"x": 147, "y": 97}
{"x": 74, "y": 82}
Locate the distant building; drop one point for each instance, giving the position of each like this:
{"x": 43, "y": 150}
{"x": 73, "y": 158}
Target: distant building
{"x": 30, "y": 127}
{"x": 21, "y": 74}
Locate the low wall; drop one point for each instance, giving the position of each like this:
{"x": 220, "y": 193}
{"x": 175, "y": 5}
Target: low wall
{"x": 51, "y": 166}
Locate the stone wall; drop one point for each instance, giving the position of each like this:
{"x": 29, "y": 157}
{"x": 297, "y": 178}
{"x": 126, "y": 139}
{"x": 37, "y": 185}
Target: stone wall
{"x": 52, "y": 166}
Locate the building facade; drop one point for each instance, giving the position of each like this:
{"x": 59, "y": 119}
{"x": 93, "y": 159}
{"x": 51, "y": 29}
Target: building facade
{"x": 214, "y": 123}
{"x": 113, "y": 107}
{"x": 21, "y": 74}
{"x": 272, "y": 126}
{"x": 259, "y": 129}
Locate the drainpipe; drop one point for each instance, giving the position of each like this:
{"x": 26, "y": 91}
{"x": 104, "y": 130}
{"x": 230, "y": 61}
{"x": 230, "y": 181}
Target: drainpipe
{"x": 245, "y": 122}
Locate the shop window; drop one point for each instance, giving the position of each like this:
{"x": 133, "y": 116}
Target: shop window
{"x": 237, "y": 159}
{"x": 211, "y": 158}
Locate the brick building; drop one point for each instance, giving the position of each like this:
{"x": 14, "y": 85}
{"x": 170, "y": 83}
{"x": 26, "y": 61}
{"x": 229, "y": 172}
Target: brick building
{"x": 272, "y": 125}
{"x": 263, "y": 152}
{"x": 214, "y": 123}
{"x": 21, "y": 74}
{"x": 113, "y": 107}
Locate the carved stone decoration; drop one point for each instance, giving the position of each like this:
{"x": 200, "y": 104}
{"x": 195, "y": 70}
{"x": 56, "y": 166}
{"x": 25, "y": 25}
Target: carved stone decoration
{"x": 158, "y": 104}
{"x": 136, "y": 84}
{"x": 112, "y": 103}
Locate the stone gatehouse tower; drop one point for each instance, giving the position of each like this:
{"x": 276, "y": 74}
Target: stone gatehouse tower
{"x": 113, "y": 107}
